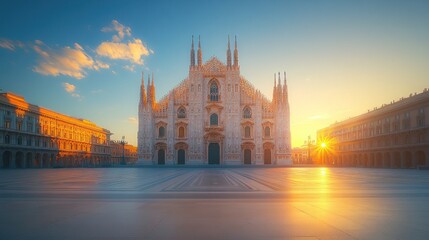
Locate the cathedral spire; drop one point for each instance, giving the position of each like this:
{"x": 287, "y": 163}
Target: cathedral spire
{"x": 235, "y": 54}
{"x": 143, "y": 98}
{"x": 228, "y": 56}
{"x": 149, "y": 98}
{"x": 200, "y": 54}
{"x": 152, "y": 91}
{"x": 285, "y": 93}
{"x": 192, "y": 53}
{"x": 274, "y": 90}
{"x": 279, "y": 90}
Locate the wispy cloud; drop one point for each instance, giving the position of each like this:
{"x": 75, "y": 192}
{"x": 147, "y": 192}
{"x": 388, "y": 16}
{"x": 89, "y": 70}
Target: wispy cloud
{"x": 132, "y": 50}
{"x": 69, "y": 61}
{"x": 120, "y": 29}
{"x": 317, "y": 117}
{"x": 130, "y": 68}
{"x": 10, "y": 44}
{"x": 70, "y": 88}
{"x": 132, "y": 120}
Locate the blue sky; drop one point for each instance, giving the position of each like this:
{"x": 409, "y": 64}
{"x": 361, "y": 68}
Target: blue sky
{"x": 341, "y": 57}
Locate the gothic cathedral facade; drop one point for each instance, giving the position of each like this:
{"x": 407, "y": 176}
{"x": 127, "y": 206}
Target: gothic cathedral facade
{"x": 214, "y": 116}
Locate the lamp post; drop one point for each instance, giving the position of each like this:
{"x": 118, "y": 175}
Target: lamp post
{"x": 123, "y": 142}
{"x": 309, "y": 142}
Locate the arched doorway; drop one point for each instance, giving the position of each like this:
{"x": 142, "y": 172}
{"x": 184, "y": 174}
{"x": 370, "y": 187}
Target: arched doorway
{"x": 29, "y": 160}
{"x": 161, "y": 157}
{"x": 214, "y": 153}
{"x": 267, "y": 156}
{"x": 420, "y": 158}
{"x": 181, "y": 156}
{"x": 247, "y": 156}
{"x": 6, "y": 159}
{"x": 407, "y": 161}
{"x": 37, "y": 159}
{"x": 19, "y": 160}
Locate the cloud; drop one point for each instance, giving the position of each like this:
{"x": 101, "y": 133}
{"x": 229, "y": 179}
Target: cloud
{"x": 120, "y": 29}
{"x": 132, "y": 120}
{"x": 10, "y": 45}
{"x": 130, "y": 68}
{"x": 70, "y": 88}
{"x": 132, "y": 51}
{"x": 69, "y": 61}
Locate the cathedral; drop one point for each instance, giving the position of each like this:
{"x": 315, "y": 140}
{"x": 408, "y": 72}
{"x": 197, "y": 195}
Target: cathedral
{"x": 214, "y": 116}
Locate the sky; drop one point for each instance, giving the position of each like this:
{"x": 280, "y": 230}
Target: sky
{"x": 85, "y": 58}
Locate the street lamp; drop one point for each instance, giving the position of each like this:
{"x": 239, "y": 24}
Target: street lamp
{"x": 309, "y": 142}
{"x": 123, "y": 142}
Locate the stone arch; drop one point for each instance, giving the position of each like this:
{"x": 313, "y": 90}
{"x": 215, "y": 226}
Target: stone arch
{"x": 267, "y": 156}
{"x": 45, "y": 160}
{"x": 29, "y": 160}
{"x": 247, "y": 156}
{"x": 396, "y": 160}
{"x": 247, "y": 112}
{"x": 371, "y": 160}
{"x": 7, "y": 159}
{"x": 386, "y": 160}
{"x": 37, "y": 160}
{"x": 420, "y": 159}
{"x": 407, "y": 160}
{"x": 181, "y": 112}
{"x": 19, "y": 160}
{"x": 379, "y": 160}
{"x": 214, "y": 90}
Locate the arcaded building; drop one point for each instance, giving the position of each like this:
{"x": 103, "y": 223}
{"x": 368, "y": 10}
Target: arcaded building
{"x": 34, "y": 137}
{"x": 214, "y": 116}
{"x": 396, "y": 135}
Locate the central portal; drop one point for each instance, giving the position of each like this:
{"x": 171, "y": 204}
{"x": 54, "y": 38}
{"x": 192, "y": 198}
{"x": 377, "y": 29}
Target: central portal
{"x": 214, "y": 153}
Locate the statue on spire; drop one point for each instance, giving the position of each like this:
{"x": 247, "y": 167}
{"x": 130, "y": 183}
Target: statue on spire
{"x": 200, "y": 54}
{"x": 192, "y": 53}
{"x": 235, "y": 54}
{"x": 143, "y": 98}
{"x": 228, "y": 56}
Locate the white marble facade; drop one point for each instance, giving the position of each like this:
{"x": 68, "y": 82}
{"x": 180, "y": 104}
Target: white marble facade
{"x": 214, "y": 116}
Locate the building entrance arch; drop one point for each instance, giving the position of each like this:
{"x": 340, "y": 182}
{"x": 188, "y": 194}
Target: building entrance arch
{"x": 214, "y": 153}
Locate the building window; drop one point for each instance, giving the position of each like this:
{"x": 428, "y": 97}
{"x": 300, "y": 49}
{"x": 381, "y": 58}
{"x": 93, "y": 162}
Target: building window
{"x": 7, "y": 124}
{"x": 214, "y": 119}
{"x": 181, "y": 132}
{"x": 214, "y": 92}
{"x": 7, "y": 139}
{"x": 236, "y": 87}
{"x": 161, "y": 132}
{"x": 19, "y": 125}
{"x": 192, "y": 87}
{"x": 28, "y": 141}
{"x": 181, "y": 113}
{"x": 247, "y": 113}
{"x": 267, "y": 132}
{"x": 19, "y": 140}
{"x": 247, "y": 132}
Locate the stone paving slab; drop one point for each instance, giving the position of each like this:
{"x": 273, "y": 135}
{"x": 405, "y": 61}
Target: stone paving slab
{"x": 214, "y": 203}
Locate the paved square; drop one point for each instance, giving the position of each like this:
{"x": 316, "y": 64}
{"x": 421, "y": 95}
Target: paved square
{"x": 214, "y": 203}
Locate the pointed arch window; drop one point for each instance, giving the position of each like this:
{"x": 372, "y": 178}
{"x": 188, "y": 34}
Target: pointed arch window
{"x": 247, "y": 113}
{"x": 181, "y": 113}
{"x": 161, "y": 132}
{"x": 214, "y": 92}
{"x": 181, "y": 132}
{"x": 247, "y": 132}
{"x": 267, "y": 131}
{"x": 214, "y": 120}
